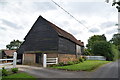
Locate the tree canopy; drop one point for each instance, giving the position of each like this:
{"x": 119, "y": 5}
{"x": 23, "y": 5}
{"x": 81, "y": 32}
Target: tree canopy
{"x": 15, "y": 44}
{"x": 116, "y": 40}
{"x": 95, "y": 38}
{"x": 103, "y": 48}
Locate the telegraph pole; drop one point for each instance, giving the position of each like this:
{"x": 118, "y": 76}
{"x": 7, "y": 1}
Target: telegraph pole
{"x": 117, "y": 2}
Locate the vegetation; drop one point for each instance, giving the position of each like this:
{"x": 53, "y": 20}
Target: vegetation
{"x": 15, "y": 44}
{"x": 14, "y": 70}
{"x": 19, "y": 76}
{"x": 93, "y": 39}
{"x": 87, "y": 52}
{"x": 116, "y": 41}
{"x": 103, "y": 48}
{"x": 97, "y": 45}
{"x": 4, "y": 72}
{"x": 8, "y": 74}
{"x": 85, "y": 66}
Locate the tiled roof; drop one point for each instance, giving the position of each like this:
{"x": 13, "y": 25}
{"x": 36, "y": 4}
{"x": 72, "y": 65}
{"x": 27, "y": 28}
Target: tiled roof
{"x": 65, "y": 34}
{"x": 9, "y": 52}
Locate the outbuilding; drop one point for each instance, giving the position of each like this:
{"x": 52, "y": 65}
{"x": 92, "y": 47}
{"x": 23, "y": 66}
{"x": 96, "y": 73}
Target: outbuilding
{"x": 46, "y": 38}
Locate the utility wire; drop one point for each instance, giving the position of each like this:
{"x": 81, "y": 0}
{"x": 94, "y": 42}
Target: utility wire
{"x": 71, "y": 15}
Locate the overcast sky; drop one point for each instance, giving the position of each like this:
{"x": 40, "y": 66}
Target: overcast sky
{"x": 17, "y": 17}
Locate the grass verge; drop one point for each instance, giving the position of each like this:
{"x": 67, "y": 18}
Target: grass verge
{"x": 88, "y": 65}
{"x": 19, "y": 76}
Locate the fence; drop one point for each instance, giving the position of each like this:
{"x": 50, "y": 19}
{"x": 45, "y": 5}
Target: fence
{"x": 47, "y": 61}
{"x": 14, "y": 59}
{"x": 95, "y": 58}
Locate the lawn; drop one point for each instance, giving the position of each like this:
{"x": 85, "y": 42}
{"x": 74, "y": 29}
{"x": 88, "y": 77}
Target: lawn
{"x": 88, "y": 65}
{"x": 19, "y": 76}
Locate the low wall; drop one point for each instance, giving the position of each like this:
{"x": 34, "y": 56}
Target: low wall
{"x": 66, "y": 57}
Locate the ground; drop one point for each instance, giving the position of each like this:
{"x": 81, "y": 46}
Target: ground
{"x": 109, "y": 70}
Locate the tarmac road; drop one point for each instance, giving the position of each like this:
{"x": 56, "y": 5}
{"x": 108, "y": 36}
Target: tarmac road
{"x": 109, "y": 70}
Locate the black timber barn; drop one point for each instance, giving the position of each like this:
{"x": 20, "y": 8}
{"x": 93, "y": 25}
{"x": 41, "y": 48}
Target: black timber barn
{"x": 46, "y": 37}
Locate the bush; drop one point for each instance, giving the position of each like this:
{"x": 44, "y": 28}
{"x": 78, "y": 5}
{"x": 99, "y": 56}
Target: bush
{"x": 70, "y": 63}
{"x": 61, "y": 64}
{"x": 4, "y": 72}
{"x": 81, "y": 59}
{"x": 76, "y": 62}
{"x": 14, "y": 70}
{"x": 84, "y": 58}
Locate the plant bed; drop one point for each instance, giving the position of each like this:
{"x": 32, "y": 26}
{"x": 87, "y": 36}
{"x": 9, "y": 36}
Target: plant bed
{"x": 88, "y": 65}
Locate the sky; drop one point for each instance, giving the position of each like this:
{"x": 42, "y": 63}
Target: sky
{"x": 18, "y": 16}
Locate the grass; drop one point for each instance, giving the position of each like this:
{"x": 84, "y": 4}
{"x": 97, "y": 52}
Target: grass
{"x": 88, "y": 65}
{"x": 19, "y": 76}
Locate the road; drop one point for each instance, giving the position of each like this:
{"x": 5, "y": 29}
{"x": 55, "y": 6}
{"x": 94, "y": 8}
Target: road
{"x": 109, "y": 70}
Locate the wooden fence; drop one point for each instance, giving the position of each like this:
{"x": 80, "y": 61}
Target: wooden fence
{"x": 14, "y": 60}
{"x": 47, "y": 61}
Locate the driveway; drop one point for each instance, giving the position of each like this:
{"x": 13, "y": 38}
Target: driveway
{"x": 109, "y": 70}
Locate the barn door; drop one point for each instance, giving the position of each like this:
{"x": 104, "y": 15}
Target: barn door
{"x": 39, "y": 58}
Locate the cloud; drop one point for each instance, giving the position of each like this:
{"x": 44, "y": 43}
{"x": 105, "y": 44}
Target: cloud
{"x": 94, "y": 30}
{"x": 107, "y": 24}
{"x": 112, "y": 31}
{"x": 10, "y": 24}
{"x": 44, "y": 6}
{"x": 16, "y": 14}
{"x": 3, "y": 28}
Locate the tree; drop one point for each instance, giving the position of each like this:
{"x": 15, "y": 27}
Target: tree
{"x": 116, "y": 39}
{"x": 15, "y": 44}
{"x": 103, "y": 48}
{"x": 95, "y": 38}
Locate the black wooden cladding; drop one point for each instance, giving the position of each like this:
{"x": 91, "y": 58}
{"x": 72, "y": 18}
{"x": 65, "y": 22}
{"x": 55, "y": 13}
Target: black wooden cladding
{"x": 43, "y": 37}
{"x": 66, "y": 46}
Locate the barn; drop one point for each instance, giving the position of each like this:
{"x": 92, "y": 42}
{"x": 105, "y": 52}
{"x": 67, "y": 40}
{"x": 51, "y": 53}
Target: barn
{"x": 46, "y": 38}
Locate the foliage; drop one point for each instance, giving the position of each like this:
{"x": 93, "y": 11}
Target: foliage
{"x": 86, "y": 66}
{"x": 103, "y": 48}
{"x": 61, "y": 64}
{"x": 70, "y": 63}
{"x": 19, "y": 76}
{"x": 87, "y": 52}
{"x": 4, "y": 72}
{"x": 95, "y": 38}
{"x": 81, "y": 59}
{"x": 115, "y": 51}
{"x": 14, "y": 70}
{"x": 76, "y": 62}
{"x": 116, "y": 40}
{"x": 15, "y": 44}
{"x": 84, "y": 58}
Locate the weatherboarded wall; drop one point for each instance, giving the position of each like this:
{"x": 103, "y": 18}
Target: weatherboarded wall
{"x": 66, "y": 46}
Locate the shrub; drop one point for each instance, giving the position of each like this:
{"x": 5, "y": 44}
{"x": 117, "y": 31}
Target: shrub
{"x": 61, "y": 64}
{"x": 84, "y": 58}
{"x": 70, "y": 63}
{"x": 76, "y": 62}
{"x": 14, "y": 70}
{"x": 81, "y": 59}
{"x": 4, "y": 72}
